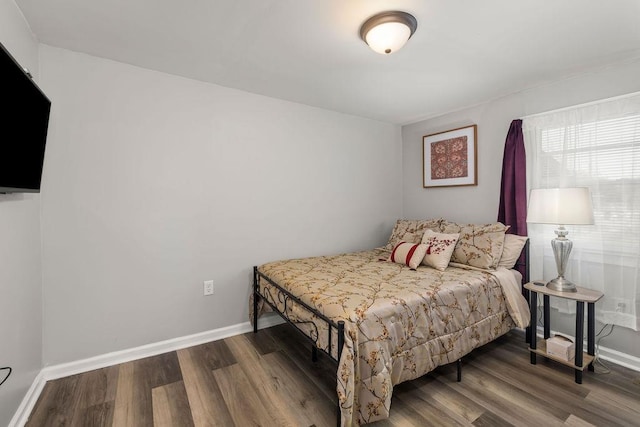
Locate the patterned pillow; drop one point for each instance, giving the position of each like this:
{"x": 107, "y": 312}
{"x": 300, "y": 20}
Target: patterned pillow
{"x": 513, "y": 245}
{"x": 409, "y": 254}
{"x": 411, "y": 230}
{"x": 479, "y": 245}
{"x": 439, "y": 249}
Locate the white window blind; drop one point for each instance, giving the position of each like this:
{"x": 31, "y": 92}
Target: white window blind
{"x": 595, "y": 146}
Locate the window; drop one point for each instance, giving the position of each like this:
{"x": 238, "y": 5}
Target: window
{"x": 595, "y": 146}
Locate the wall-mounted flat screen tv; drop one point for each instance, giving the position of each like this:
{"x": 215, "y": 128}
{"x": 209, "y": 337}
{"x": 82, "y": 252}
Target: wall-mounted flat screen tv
{"x": 23, "y": 128}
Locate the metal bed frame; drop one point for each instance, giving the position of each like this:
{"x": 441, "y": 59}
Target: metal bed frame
{"x": 285, "y": 296}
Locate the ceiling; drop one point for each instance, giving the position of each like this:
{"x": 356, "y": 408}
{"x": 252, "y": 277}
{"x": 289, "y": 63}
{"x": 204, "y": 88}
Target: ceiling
{"x": 464, "y": 52}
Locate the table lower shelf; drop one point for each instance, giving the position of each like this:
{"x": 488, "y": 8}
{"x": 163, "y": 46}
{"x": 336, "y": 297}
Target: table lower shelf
{"x": 542, "y": 351}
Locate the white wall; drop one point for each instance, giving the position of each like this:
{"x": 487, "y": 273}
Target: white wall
{"x": 480, "y": 204}
{"x": 155, "y": 183}
{"x": 20, "y": 258}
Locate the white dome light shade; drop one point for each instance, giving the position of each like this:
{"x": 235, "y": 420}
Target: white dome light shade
{"x": 387, "y": 32}
{"x": 389, "y": 37}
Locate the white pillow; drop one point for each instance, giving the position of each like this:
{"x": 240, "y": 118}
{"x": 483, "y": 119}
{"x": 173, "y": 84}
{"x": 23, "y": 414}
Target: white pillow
{"x": 409, "y": 254}
{"x": 439, "y": 248}
{"x": 513, "y": 245}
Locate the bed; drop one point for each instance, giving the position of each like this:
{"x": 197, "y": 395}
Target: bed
{"x": 384, "y": 322}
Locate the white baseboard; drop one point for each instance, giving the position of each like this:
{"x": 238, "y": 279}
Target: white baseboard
{"x": 604, "y": 353}
{"x": 21, "y": 416}
{"x": 122, "y": 356}
{"x": 619, "y": 358}
{"x": 79, "y": 366}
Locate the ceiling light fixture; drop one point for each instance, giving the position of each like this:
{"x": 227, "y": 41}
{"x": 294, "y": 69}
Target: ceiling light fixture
{"x": 387, "y": 32}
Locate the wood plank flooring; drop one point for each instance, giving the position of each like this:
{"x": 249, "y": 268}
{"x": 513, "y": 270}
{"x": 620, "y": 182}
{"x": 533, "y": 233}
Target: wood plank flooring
{"x": 268, "y": 379}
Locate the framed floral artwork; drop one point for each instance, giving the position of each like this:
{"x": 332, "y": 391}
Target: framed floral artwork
{"x": 450, "y": 158}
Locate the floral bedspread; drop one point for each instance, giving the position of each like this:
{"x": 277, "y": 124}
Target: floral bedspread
{"x": 399, "y": 323}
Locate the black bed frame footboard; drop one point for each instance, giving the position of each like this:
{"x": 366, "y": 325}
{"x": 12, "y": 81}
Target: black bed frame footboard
{"x": 285, "y": 296}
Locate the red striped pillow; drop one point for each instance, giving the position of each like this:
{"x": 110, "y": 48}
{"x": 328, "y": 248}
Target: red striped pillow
{"x": 409, "y": 254}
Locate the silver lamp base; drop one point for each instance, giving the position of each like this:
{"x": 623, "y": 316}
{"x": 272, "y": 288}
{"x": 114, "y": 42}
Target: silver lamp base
{"x": 562, "y": 285}
{"x": 561, "y": 250}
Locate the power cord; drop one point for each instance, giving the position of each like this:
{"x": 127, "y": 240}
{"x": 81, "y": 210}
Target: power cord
{"x": 6, "y": 368}
{"x": 597, "y": 357}
{"x": 540, "y": 314}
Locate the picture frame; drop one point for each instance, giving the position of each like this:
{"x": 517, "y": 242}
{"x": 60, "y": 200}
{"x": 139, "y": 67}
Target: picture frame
{"x": 450, "y": 158}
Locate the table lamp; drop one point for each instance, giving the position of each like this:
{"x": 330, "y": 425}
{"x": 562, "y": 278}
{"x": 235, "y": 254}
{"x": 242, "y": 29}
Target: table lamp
{"x": 561, "y": 206}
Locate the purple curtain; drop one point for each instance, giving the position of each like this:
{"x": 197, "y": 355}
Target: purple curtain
{"x": 513, "y": 196}
{"x": 513, "y": 190}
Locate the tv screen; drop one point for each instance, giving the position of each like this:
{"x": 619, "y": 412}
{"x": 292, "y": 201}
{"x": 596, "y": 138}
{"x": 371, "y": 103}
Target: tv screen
{"x": 23, "y": 128}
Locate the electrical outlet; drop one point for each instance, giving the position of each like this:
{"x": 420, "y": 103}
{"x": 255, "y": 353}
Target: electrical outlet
{"x": 620, "y": 307}
{"x": 208, "y": 287}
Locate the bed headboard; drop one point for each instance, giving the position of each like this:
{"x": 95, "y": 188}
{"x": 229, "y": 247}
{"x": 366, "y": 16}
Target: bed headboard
{"x": 522, "y": 265}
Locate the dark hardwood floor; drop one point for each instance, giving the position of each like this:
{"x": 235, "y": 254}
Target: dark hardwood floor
{"x": 268, "y": 379}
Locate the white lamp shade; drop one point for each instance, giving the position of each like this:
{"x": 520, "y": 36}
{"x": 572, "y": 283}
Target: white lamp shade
{"x": 560, "y": 206}
{"x": 388, "y": 37}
